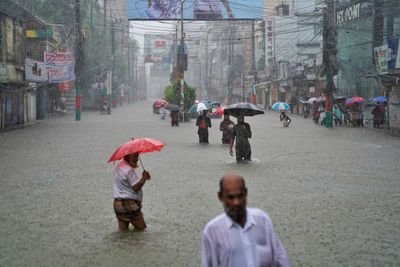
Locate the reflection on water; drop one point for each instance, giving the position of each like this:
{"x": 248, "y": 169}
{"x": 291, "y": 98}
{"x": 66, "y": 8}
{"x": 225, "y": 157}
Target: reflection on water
{"x": 252, "y": 162}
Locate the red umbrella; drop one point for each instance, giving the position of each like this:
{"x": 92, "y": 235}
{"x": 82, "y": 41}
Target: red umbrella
{"x": 160, "y": 102}
{"x": 219, "y": 111}
{"x": 140, "y": 145}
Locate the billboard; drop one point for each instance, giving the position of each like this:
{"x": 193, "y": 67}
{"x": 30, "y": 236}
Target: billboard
{"x": 35, "y": 71}
{"x": 157, "y": 48}
{"x": 394, "y": 53}
{"x": 195, "y": 9}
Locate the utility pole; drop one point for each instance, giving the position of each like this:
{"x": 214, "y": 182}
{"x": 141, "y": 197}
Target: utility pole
{"x": 108, "y": 91}
{"x": 78, "y": 58}
{"x": 181, "y": 64}
{"x": 113, "y": 100}
{"x": 329, "y": 58}
{"x": 129, "y": 71}
{"x": 253, "y": 63}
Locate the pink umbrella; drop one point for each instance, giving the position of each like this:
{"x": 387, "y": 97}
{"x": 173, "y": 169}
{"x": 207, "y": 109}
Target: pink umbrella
{"x": 140, "y": 145}
{"x": 354, "y": 100}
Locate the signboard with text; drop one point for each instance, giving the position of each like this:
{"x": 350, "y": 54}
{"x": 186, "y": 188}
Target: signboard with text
{"x": 61, "y": 73}
{"x": 269, "y": 30}
{"x": 394, "y": 54}
{"x": 58, "y": 59}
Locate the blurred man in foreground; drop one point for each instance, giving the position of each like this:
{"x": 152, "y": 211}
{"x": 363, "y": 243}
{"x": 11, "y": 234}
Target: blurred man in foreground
{"x": 241, "y": 236}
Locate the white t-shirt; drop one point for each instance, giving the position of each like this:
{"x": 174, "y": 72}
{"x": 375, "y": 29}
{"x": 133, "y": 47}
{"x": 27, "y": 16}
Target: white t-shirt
{"x": 124, "y": 179}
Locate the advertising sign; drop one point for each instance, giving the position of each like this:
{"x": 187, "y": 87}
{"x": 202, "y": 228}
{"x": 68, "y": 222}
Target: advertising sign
{"x": 109, "y": 82}
{"x": 269, "y": 28}
{"x": 58, "y": 59}
{"x": 156, "y": 48}
{"x": 195, "y": 9}
{"x": 381, "y": 59}
{"x": 61, "y": 73}
{"x": 35, "y": 71}
{"x": 348, "y": 13}
{"x": 394, "y": 54}
{"x": 3, "y": 72}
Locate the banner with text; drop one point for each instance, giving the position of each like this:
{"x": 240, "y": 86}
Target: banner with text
{"x": 61, "y": 73}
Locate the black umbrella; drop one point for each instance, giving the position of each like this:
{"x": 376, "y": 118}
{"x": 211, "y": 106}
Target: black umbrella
{"x": 340, "y": 98}
{"x": 243, "y": 109}
{"x": 173, "y": 107}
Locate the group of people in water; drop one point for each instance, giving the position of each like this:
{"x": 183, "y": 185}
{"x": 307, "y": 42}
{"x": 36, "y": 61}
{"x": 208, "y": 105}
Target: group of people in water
{"x": 349, "y": 115}
{"x": 238, "y": 133}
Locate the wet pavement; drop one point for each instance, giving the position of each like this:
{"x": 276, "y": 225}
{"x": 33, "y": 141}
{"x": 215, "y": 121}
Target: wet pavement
{"x": 333, "y": 194}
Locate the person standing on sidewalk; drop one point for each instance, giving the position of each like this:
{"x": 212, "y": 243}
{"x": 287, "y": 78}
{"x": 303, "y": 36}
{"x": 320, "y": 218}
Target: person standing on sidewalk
{"x": 241, "y": 236}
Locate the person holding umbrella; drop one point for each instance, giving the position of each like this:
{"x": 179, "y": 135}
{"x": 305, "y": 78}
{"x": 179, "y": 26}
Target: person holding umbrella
{"x": 241, "y": 133}
{"x": 128, "y": 194}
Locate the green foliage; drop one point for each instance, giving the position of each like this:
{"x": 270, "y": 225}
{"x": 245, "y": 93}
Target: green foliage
{"x": 172, "y": 94}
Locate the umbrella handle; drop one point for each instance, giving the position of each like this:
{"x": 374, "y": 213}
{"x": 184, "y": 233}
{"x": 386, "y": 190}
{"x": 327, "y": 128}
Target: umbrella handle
{"x": 141, "y": 163}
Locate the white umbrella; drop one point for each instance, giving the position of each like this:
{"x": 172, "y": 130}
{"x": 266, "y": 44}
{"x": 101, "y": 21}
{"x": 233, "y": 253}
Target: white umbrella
{"x": 201, "y": 107}
{"x": 312, "y": 99}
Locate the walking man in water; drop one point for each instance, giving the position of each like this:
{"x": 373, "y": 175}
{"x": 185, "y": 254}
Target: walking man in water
{"x": 128, "y": 194}
{"x": 241, "y": 236}
{"x": 241, "y": 132}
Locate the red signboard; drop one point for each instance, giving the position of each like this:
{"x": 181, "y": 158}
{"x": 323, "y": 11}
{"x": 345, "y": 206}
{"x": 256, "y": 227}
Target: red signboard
{"x": 64, "y": 86}
{"x": 160, "y": 44}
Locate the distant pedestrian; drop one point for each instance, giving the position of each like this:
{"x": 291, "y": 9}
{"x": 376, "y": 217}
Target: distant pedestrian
{"x": 379, "y": 115}
{"x": 285, "y": 119}
{"x": 203, "y": 122}
{"x": 360, "y": 117}
{"x": 174, "y": 118}
{"x": 241, "y": 133}
{"x": 226, "y": 127}
{"x": 128, "y": 193}
{"x": 337, "y": 115}
{"x": 241, "y": 236}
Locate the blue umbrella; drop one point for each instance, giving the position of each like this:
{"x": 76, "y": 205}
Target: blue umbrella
{"x": 281, "y": 106}
{"x": 380, "y": 99}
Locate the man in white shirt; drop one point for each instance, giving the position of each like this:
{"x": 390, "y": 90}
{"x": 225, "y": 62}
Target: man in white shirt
{"x": 241, "y": 236}
{"x": 128, "y": 194}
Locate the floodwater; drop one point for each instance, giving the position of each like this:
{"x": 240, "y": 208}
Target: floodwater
{"x": 333, "y": 194}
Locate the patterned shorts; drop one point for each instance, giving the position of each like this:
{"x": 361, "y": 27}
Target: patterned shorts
{"x": 127, "y": 210}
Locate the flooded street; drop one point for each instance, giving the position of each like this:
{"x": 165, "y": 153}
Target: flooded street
{"x": 333, "y": 194}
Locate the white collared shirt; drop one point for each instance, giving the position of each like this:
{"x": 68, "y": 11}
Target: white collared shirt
{"x": 226, "y": 243}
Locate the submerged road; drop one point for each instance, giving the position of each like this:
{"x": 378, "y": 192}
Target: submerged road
{"x": 333, "y": 194}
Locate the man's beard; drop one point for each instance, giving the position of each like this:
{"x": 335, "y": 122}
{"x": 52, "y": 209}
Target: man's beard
{"x": 235, "y": 214}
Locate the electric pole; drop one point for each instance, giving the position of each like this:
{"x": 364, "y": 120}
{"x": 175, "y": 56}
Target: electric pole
{"x": 329, "y": 58}
{"x": 79, "y": 60}
{"x": 253, "y": 63}
{"x": 107, "y": 84}
{"x": 113, "y": 100}
{"x": 182, "y": 64}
